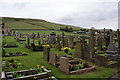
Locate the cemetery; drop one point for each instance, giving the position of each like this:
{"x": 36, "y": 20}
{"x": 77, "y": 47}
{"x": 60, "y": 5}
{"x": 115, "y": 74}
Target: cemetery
{"x": 56, "y": 54}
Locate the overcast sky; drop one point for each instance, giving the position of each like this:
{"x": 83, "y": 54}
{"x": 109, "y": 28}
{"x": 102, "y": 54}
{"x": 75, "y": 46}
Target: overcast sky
{"x": 81, "y": 13}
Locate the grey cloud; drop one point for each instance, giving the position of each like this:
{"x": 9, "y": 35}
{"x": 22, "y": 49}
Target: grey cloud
{"x": 101, "y": 15}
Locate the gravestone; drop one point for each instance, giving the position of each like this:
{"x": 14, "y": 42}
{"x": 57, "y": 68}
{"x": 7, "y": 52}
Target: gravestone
{"x": 28, "y": 41}
{"x": 118, "y": 39}
{"x": 53, "y": 38}
{"x": 111, "y": 47}
{"x": 66, "y": 42}
{"x": 91, "y": 43}
{"x": 64, "y": 64}
{"x": 71, "y": 42}
{"x": 79, "y": 49}
{"x": 53, "y": 59}
{"x": 38, "y": 35}
{"x": 86, "y": 51}
{"x": 99, "y": 43}
{"x": 39, "y": 42}
{"x": 100, "y": 60}
{"x": 63, "y": 41}
{"x": 46, "y": 51}
{"x": 107, "y": 39}
{"x": 58, "y": 38}
{"x": 58, "y": 46}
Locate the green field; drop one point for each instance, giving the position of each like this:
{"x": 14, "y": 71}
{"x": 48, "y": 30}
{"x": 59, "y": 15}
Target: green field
{"x": 36, "y": 58}
{"x": 16, "y": 23}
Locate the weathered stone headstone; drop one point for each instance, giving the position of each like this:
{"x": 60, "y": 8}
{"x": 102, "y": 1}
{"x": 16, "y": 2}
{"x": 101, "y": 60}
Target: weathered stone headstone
{"x": 99, "y": 43}
{"x": 64, "y": 64}
{"x": 91, "y": 43}
{"x": 79, "y": 49}
{"x": 100, "y": 60}
{"x": 39, "y": 42}
{"x": 107, "y": 38}
{"x": 86, "y": 51}
{"x": 71, "y": 42}
{"x": 118, "y": 39}
{"x": 66, "y": 42}
{"x": 53, "y": 59}
{"x": 58, "y": 46}
{"x": 53, "y": 38}
{"x": 111, "y": 47}
{"x": 63, "y": 41}
{"x": 46, "y": 51}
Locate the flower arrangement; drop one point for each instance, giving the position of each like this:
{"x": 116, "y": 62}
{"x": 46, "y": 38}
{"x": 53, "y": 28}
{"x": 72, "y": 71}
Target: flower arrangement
{"x": 66, "y": 49}
{"x": 13, "y": 64}
{"x": 81, "y": 65}
{"x": 46, "y": 45}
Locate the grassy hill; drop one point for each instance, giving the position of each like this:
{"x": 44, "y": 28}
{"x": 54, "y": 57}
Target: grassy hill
{"x": 22, "y": 23}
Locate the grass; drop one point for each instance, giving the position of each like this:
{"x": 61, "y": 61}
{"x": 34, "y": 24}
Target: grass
{"x": 54, "y": 25}
{"x": 44, "y": 32}
{"x": 36, "y": 58}
{"x": 22, "y": 25}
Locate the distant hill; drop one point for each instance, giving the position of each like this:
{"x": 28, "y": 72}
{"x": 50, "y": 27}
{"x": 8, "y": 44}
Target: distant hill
{"x": 25, "y": 23}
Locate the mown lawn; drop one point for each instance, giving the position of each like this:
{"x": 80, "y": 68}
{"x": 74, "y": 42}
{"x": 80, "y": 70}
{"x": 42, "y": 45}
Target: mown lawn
{"x": 44, "y": 32}
{"x": 36, "y": 58}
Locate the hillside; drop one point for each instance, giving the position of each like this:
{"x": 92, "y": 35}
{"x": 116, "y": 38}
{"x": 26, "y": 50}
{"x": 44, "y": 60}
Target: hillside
{"x": 22, "y": 23}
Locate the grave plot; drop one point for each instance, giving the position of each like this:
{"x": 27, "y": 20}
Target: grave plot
{"x": 12, "y": 64}
{"x": 10, "y": 45}
{"x": 109, "y": 56}
{"x": 67, "y": 64}
{"x": 10, "y": 54}
{"x": 102, "y": 60}
{"x": 74, "y": 67}
{"x": 20, "y": 39}
{"x": 31, "y": 74}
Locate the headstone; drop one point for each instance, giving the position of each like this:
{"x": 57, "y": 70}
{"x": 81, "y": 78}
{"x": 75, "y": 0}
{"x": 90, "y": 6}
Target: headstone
{"x": 91, "y": 43}
{"x": 58, "y": 46}
{"x": 100, "y": 60}
{"x": 118, "y": 39}
{"x": 99, "y": 43}
{"x": 46, "y": 51}
{"x": 63, "y": 41}
{"x": 38, "y": 35}
{"x": 53, "y": 59}
{"x": 53, "y": 38}
{"x": 64, "y": 64}
{"x": 71, "y": 42}
{"x": 66, "y": 42}
{"x": 79, "y": 49}
{"x": 86, "y": 51}
{"x": 107, "y": 38}
{"x": 39, "y": 42}
{"x": 111, "y": 47}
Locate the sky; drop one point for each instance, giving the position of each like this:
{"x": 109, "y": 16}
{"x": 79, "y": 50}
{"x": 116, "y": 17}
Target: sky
{"x": 81, "y": 13}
